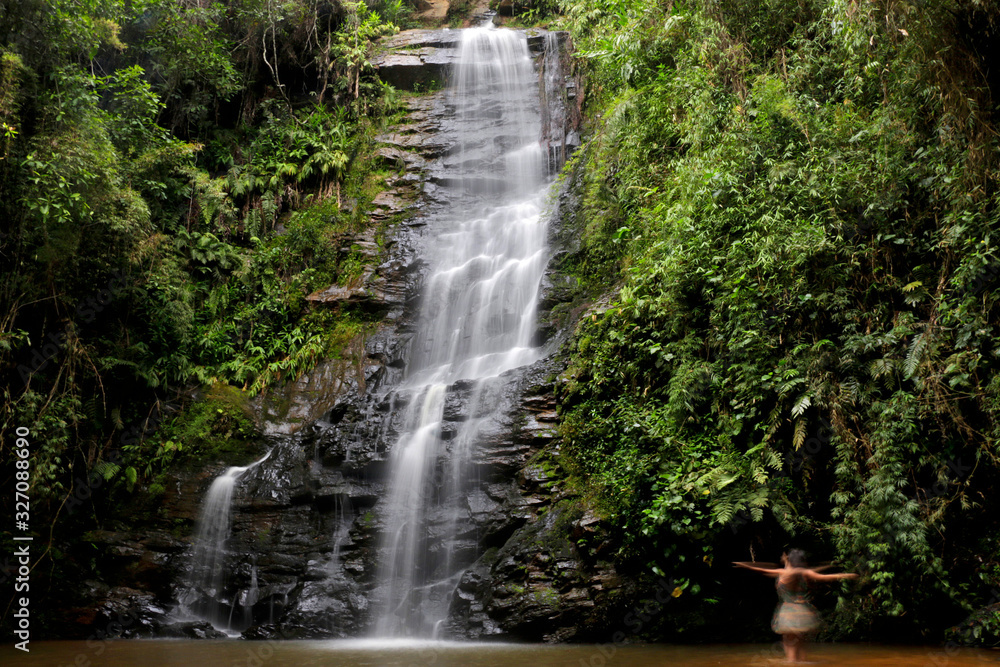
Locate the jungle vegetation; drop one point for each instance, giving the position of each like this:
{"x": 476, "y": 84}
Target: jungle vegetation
{"x": 796, "y": 203}
{"x": 176, "y": 178}
{"x": 786, "y": 217}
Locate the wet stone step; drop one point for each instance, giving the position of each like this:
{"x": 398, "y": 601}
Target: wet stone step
{"x": 427, "y": 146}
{"x": 411, "y": 39}
{"x": 394, "y": 157}
{"x": 411, "y": 72}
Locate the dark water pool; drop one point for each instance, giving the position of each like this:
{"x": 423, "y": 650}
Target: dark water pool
{"x": 375, "y": 653}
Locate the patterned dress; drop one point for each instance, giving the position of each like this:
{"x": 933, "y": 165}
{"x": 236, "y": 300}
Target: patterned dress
{"x": 794, "y": 613}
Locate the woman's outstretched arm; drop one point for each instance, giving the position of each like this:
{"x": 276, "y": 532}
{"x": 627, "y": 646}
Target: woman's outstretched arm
{"x": 816, "y": 576}
{"x": 769, "y": 571}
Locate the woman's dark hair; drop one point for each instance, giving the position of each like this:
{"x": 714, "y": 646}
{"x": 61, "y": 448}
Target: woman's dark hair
{"x": 796, "y": 557}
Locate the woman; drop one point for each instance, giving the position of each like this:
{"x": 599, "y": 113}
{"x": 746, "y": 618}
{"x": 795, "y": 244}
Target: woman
{"x": 795, "y": 618}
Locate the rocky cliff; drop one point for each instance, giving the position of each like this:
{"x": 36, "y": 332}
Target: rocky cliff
{"x": 306, "y": 522}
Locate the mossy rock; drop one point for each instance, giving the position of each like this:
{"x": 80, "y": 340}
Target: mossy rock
{"x": 218, "y": 425}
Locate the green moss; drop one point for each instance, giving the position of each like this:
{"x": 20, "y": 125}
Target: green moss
{"x": 352, "y": 267}
{"x": 217, "y": 426}
{"x": 547, "y": 596}
{"x": 431, "y": 85}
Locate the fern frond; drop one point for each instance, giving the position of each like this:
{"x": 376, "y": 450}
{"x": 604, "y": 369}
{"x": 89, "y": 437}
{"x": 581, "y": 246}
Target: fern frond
{"x": 801, "y": 405}
{"x": 799, "y": 436}
{"x": 880, "y": 367}
{"x": 915, "y": 355}
{"x": 107, "y": 469}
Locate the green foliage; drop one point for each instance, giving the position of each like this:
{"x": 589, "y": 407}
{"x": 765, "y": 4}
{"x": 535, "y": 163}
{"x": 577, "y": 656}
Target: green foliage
{"x": 133, "y": 107}
{"x": 191, "y": 55}
{"x": 350, "y": 50}
{"x": 70, "y": 30}
{"x": 11, "y": 71}
{"x": 52, "y": 436}
{"x": 796, "y": 202}
{"x": 395, "y": 12}
{"x": 219, "y": 424}
{"x": 173, "y": 178}
{"x": 534, "y": 12}
{"x": 289, "y": 152}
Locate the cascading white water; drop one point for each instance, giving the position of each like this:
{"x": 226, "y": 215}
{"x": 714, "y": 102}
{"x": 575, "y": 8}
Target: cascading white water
{"x": 207, "y": 576}
{"x": 487, "y": 255}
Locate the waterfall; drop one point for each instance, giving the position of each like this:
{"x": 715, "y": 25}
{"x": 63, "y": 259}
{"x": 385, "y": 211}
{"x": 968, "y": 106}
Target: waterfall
{"x": 486, "y": 255}
{"x": 206, "y": 583}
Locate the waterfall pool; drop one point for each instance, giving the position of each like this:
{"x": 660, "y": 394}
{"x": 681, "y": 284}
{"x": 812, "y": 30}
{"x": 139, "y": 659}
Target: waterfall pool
{"x": 407, "y": 653}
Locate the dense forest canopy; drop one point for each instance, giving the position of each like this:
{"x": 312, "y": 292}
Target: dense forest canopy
{"x": 785, "y": 217}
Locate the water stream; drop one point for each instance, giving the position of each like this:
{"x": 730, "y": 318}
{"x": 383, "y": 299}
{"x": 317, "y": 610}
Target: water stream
{"x": 487, "y": 255}
{"x": 207, "y": 578}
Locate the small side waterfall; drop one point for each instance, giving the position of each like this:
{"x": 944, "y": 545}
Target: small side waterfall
{"x": 487, "y": 254}
{"x": 206, "y": 583}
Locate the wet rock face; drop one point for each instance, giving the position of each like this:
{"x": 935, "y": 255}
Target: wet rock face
{"x": 306, "y": 523}
{"x": 318, "y": 562}
{"x": 348, "y": 445}
{"x": 418, "y": 60}
{"x": 549, "y": 581}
